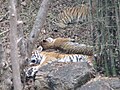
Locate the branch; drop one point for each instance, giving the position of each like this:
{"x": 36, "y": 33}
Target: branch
{"x": 13, "y": 44}
{"x": 38, "y": 24}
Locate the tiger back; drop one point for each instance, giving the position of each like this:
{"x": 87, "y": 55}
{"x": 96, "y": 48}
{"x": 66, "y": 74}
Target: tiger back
{"x": 72, "y": 15}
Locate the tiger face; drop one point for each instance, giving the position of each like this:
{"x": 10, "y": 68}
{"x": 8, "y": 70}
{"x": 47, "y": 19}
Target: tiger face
{"x": 34, "y": 61}
{"x": 36, "y": 57}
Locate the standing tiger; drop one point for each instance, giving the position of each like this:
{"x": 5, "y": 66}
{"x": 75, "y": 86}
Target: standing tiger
{"x": 39, "y": 59}
{"x": 73, "y": 14}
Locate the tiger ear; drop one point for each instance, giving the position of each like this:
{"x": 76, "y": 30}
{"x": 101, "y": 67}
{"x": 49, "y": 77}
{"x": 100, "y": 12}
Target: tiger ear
{"x": 40, "y": 48}
{"x": 49, "y": 39}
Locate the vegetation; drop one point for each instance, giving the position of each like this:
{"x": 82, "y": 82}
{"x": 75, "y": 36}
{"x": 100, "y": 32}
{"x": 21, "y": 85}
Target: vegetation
{"x": 107, "y": 36}
{"x": 28, "y": 22}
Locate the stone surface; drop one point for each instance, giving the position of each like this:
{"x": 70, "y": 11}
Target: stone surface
{"x": 63, "y": 76}
{"x": 72, "y": 76}
{"x": 102, "y": 83}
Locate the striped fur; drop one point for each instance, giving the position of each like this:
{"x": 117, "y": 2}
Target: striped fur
{"x": 73, "y": 14}
{"x": 67, "y": 45}
{"x": 51, "y": 43}
{"x": 43, "y": 58}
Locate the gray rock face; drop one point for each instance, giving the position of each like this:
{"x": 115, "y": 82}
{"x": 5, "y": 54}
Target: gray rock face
{"x": 63, "y": 76}
{"x": 72, "y": 76}
{"x": 102, "y": 83}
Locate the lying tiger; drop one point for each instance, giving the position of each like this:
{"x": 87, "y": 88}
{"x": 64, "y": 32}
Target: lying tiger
{"x": 44, "y": 58}
{"x": 67, "y": 45}
{"x": 54, "y": 43}
{"x": 39, "y": 59}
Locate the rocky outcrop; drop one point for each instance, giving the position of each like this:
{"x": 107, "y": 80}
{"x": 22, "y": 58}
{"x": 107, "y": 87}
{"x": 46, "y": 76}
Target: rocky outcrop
{"x": 102, "y": 83}
{"x": 71, "y": 76}
{"x": 59, "y": 76}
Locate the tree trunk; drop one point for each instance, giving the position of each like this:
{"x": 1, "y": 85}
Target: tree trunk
{"x": 13, "y": 44}
{"x": 38, "y": 24}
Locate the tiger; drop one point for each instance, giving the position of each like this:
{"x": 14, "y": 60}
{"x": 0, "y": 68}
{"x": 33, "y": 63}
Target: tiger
{"x": 39, "y": 59}
{"x": 73, "y": 14}
{"x": 45, "y": 57}
{"x": 51, "y": 43}
{"x": 67, "y": 45}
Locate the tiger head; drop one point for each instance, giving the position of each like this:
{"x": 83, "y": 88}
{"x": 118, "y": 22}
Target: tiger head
{"x": 34, "y": 61}
{"x": 36, "y": 57}
{"x": 47, "y": 43}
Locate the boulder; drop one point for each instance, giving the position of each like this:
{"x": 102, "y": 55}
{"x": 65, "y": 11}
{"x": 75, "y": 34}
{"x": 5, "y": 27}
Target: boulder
{"x": 59, "y": 76}
{"x": 102, "y": 83}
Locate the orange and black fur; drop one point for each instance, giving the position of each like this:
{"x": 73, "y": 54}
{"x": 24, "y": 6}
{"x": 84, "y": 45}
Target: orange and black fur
{"x": 67, "y": 45}
{"x": 73, "y": 14}
{"x": 47, "y": 57}
{"x": 51, "y": 43}
{"x": 39, "y": 59}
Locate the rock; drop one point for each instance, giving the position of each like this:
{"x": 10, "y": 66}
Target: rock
{"x": 102, "y": 83}
{"x": 63, "y": 77}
